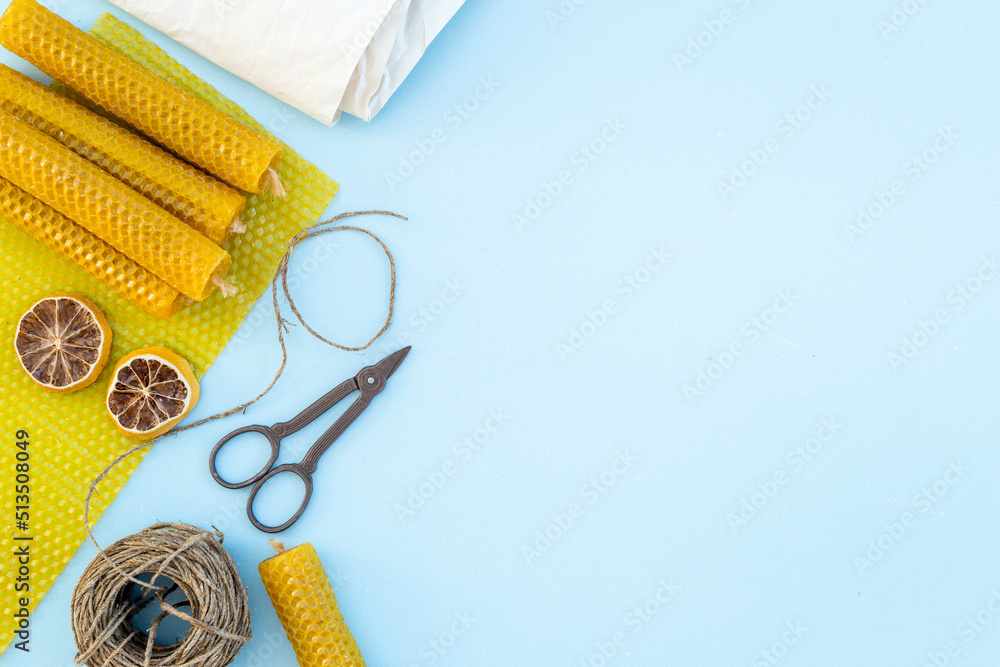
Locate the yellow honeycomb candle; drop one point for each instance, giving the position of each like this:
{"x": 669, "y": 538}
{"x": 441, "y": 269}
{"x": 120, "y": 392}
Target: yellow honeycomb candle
{"x": 303, "y": 597}
{"x": 108, "y": 208}
{"x": 207, "y": 205}
{"x": 90, "y": 253}
{"x": 176, "y": 119}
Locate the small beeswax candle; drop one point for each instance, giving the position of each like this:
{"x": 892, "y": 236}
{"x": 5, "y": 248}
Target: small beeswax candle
{"x": 303, "y": 597}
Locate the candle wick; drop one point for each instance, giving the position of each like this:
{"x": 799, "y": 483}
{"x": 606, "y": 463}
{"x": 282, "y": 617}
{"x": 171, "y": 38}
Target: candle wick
{"x": 273, "y": 184}
{"x": 277, "y": 545}
{"x": 227, "y": 288}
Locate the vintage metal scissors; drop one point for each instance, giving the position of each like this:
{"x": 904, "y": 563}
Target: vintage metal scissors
{"x": 370, "y": 381}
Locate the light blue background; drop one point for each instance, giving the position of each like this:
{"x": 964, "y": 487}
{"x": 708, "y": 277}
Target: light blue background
{"x": 806, "y": 556}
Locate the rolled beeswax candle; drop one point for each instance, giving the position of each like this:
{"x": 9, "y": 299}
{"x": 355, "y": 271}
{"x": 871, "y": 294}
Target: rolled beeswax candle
{"x": 207, "y": 205}
{"x": 175, "y": 118}
{"x": 110, "y": 209}
{"x": 303, "y": 597}
{"x": 97, "y": 258}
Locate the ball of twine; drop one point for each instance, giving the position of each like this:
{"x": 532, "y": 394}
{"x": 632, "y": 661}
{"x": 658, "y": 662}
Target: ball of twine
{"x": 194, "y": 559}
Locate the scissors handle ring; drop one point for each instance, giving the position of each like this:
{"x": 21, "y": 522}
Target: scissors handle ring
{"x": 263, "y": 430}
{"x": 288, "y": 467}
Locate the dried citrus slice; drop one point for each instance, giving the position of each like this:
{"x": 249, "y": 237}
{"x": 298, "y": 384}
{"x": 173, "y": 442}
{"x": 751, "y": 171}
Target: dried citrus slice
{"x": 151, "y": 391}
{"x": 63, "y": 342}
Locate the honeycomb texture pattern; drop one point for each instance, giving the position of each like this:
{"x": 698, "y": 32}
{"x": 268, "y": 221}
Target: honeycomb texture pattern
{"x": 110, "y": 209}
{"x": 303, "y": 597}
{"x": 207, "y": 205}
{"x": 72, "y": 439}
{"x": 97, "y": 258}
{"x": 178, "y": 120}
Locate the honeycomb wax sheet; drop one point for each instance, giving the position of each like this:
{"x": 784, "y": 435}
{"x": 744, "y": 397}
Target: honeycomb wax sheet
{"x": 71, "y": 438}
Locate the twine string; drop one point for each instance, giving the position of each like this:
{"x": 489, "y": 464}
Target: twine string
{"x": 282, "y": 276}
{"x": 111, "y": 656}
{"x": 392, "y": 286}
{"x": 195, "y": 544}
{"x": 111, "y": 628}
{"x": 151, "y": 638}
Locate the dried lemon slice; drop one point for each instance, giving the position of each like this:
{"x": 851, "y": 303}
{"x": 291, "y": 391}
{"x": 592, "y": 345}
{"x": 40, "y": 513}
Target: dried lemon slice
{"x": 151, "y": 391}
{"x": 63, "y": 342}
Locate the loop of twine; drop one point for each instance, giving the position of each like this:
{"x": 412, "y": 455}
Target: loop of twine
{"x": 195, "y": 560}
{"x": 106, "y": 634}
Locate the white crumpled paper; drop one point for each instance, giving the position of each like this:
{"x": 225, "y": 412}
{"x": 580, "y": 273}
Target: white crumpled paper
{"x": 320, "y": 56}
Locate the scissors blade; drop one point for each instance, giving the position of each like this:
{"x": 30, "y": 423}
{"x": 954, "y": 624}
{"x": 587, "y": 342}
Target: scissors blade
{"x": 388, "y": 366}
{"x": 370, "y": 386}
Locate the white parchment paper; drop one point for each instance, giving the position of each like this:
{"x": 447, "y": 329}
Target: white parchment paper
{"x": 320, "y": 56}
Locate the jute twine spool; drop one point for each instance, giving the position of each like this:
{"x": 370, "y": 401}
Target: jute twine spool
{"x": 195, "y": 560}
